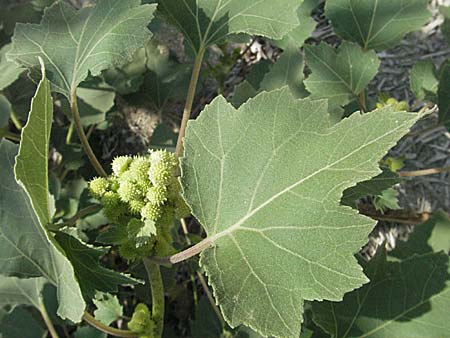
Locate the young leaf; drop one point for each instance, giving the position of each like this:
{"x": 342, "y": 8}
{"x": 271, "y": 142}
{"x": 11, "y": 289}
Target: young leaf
{"x": 398, "y": 302}
{"x": 341, "y": 75}
{"x": 108, "y": 308}
{"x": 73, "y": 43}
{"x": 423, "y": 79}
{"x": 372, "y": 187}
{"x": 16, "y": 291}
{"x": 376, "y": 24}
{"x": 265, "y": 182}
{"x": 9, "y": 71}
{"x": 25, "y": 248}
{"x": 204, "y": 22}
{"x": 31, "y": 167}
{"x": 90, "y": 274}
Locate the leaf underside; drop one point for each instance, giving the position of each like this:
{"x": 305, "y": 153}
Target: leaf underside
{"x": 204, "y": 22}
{"x": 376, "y": 24}
{"x": 265, "y": 182}
{"x": 25, "y": 247}
{"x": 73, "y": 43}
{"x": 398, "y": 302}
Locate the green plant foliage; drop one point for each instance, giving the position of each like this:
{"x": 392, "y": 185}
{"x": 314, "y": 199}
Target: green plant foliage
{"x": 5, "y": 111}
{"x": 15, "y": 291}
{"x": 399, "y": 301}
{"x": 423, "y": 79}
{"x": 33, "y": 152}
{"x": 90, "y": 274}
{"x": 204, "y": 22}
{"x": 270, "y": 201}
{"x": 373, "y": 187}
{"x": 34, "y": 255}
{"x": 9, "y": 71}
{"x": 376, "y": 24}
{"x": 21, "y": 323}
{"x": 444, "y": 95}
{"x": 445, "y": 28}
{"x": 108, "y": 308}
{"x": 72, "y": 43}
{"x": 339, "y": 75}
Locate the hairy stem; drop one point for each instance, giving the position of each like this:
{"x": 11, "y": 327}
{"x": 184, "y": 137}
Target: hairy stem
{"x": 106, "y": 329}
{"x": 156, "y": 283}
{"x": 423, "y": 172}
{"x": 11, "y": 136}
{"x": 47, "y": 319}
{"x": 190, "y": 99}
{"x": 70, "y": 133}
{"x": 82, "y": 136}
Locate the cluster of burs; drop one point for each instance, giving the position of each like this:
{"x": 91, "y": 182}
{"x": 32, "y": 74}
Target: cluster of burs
{"x": 141, "y": 199}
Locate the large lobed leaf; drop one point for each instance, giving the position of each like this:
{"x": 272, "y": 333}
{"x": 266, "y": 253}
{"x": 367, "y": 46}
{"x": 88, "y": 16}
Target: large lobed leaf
{"x": 16, "y": 291}
{"x": 31, "y": 167}
{"x": 339, "y": 75}
{"x": 9, "y": 72}
{"x": 204, "y": 22}
{"x": 398, "y": 302}
{"x": 25, "y": 248}
{"x": 265, "y": 182}
{"x": 74, "y": 43}
{"x": 376, "y": 24}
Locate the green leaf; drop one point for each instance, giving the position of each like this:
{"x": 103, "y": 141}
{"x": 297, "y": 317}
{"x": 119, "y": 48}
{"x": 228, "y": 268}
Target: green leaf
{"x": 16, "y": 291}
{"x": 89, "y": 331}
{"x": 423, "y": 79}
{"x": 74, "y": 43}
{"x": 204, "y": 22}
{"x": 287, "y": 71}
{"x": 108, "y": 308}
{"x": 31, "y": 167}
{"x": 398, "y": 302}
{"x": 339, "y": 75}
{"x": 299, "y": 34}
{"x": 90, "y": 274}
{"x": 26, "y": 250}
{"x": 445, "y": 26}
{"x": 265, "y": 182}
{"x": 9, "y": 71}
{"x": 101, "y": 99}
{"x": 444, "y": 95}
{"x": 376, "y": 24}
{"x": 388, "y": 199}
{"x": 21, "y": 323}
{"x": 372, "y": 187}
{"x": 433, "y": 235}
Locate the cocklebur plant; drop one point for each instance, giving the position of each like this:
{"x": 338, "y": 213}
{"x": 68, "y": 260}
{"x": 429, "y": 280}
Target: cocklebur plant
{"x": 275, "y": 178}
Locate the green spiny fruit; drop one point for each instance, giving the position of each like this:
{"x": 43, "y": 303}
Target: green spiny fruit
{"x": 163, "y": 165}
{"x": 151, "y": 211}
{"x": 121, "y": 164}
{"x": 98, "y": 187}
{"x": 136, "y": 206}
{"x": 130, "y": 191}
{"x": 157, "y": 195}
{"x": 139, "y": 168}
{"x": 141, "y": 321}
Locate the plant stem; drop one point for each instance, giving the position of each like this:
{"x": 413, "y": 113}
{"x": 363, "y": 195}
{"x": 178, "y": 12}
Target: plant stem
{"x": 190, "y": 98}
{"x": 185, "y": 254}
{"x": 362, "y": 101}
{"x": 82, "y": 136}
{"x": 11, "y": 136}
{"x": 70, "y": 133}
{"x": 15, "y": 121}
{"x": 106, "y": 329}
{"x": 423, "y": 172}
{"x": 47, "y": 319}
{"x": 156, "y": 283}
{"x": 80, "y": 214}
